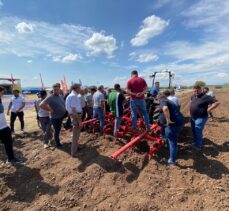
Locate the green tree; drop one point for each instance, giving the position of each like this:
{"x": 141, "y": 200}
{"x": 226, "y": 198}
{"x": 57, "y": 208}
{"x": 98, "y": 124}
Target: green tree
{"x": 200, "y": 83}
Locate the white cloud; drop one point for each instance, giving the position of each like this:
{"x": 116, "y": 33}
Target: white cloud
{"x": 68, "y": 58}
{"x": 29, "y": 61}
{"x": 143, "y": 56}
{"x": 147, "y": 57}
{"x": 151, "y": 27}
{"x": 99, "y": 43}
{"x": 24, "y": 27}
{"x": 213, "y": 15}
{"x": 222, "y": 75}
{"x": 56, "y": 42}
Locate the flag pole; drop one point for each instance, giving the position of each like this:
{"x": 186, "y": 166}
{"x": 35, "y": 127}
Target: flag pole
{"x": 42, "y": 84}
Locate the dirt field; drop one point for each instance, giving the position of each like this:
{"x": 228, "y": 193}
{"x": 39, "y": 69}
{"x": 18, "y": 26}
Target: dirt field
{"x": 52, "y": 180}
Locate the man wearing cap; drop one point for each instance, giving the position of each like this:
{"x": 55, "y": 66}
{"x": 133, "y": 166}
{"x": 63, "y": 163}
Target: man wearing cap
{"x": 137, "y": 88}
{"x": 74, "y": 108}
{"x": 43, "y": 118}
{"x": 5, "y": 133}
{"x": 16, "y": 106}
{"x": 55, "y": 104}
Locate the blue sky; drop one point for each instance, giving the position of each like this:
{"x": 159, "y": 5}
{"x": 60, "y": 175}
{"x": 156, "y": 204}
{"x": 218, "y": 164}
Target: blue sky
{"x": 101, "y": 41}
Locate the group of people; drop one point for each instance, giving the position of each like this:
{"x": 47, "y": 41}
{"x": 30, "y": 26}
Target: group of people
{"x": 84, "y": 103}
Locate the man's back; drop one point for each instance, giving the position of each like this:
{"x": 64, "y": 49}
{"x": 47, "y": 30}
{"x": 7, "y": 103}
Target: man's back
{"x": 136, "y": 85}
{"x": 98, "y": 97}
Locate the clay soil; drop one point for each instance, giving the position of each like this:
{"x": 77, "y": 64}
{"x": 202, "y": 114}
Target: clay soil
{"x": 53, "y": 180}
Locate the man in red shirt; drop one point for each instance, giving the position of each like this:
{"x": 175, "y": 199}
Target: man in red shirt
{"x": 137, "y": 88}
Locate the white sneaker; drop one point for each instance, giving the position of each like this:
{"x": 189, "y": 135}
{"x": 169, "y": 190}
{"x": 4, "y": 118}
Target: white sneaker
{"x": 46, "y": 146}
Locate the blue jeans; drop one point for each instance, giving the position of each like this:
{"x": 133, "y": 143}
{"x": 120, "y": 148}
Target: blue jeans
{"x": 46, "y": 128}
{"x": 118, "y": 121}
{"x": 197, "y": 125}
{"x": 171, "y": 135}
{"x": 98, "y": 112}
{"x": 141, "y": 106}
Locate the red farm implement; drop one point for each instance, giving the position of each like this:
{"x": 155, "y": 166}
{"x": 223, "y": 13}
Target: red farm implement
{"x": 137, "y": 136}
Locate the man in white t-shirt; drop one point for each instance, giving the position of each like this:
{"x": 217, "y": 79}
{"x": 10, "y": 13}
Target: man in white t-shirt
{"x": 16, "y": 106}
{"x": 172, "y": 97}
{"x": 74, "y": 108}
{"x": 5, "y": 134}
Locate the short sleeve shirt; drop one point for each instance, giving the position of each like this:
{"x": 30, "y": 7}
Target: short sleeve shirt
{"x": 136, "y": 85}
{"x": 175, "y": 115}
{"x": 115, "y": 101}
{"x": 17, "y": 103}
{"x": 98, "y": 97}
{"x": 199, "y": 105}
{"x": 41, "y": 112}
{"x": 56, "y": 102}
{"x": 154, "y": 91}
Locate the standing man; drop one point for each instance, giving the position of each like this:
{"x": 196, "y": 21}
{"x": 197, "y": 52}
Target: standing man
{"x": 137, "y": 88}
{"x": 74, "y": 108}
{"x": 5, "y": 134}
{"x": 171, "y": 121}
{"x": 54, "y": 104}
{"x": 155, "y": 89}
{"x": 209, "y": 93}
{"x": 199, "y": 109}
{"x": 99, "y": 106}
{"x": 81, "y": 96}
{"x": 115, "y": 101}
{"x": 43, "y": 118}
{"x": 16, "y": 106}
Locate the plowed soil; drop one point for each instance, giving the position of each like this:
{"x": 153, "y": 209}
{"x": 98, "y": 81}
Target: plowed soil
{"x": 53, "y": 180}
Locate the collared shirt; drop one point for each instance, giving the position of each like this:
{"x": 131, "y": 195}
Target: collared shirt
{"x": 136, "y": 85}
{"x": 199, "y": 105}
{"x": 82, "y": 100}
{"x": 154, "y": 91}
{"x": 73, "y": 101}
{"x": 17, "y": 103}
{"x": 3, "y": 123}
{"x": 98, "y": 98}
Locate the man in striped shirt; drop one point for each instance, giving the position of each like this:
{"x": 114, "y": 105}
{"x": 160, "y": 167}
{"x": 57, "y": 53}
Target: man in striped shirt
{"x": 116, "y": 100}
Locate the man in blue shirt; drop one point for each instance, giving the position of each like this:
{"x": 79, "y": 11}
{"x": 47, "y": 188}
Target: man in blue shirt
{"x": 155, "y": 89}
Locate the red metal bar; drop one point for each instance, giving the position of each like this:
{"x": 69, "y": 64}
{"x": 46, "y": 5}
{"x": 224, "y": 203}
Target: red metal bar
{"x": 89, "y": 121}
{"x": 128, "y": 145}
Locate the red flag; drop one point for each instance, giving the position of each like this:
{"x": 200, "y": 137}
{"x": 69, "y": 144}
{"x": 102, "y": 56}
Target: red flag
{"x": 64, "y": 86}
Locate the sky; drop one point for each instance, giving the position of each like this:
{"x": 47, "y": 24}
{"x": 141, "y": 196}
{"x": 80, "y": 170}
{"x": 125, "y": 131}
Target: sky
{"x": 102, "y": 41}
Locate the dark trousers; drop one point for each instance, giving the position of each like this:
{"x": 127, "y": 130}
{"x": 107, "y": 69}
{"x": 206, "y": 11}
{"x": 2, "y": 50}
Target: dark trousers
{"x": 57, "y": 123}
{"x": 13, "y": 117}
{"x": 6, "y": 138}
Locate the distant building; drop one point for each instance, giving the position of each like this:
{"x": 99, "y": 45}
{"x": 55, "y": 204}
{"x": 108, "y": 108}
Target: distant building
{"x": 10, "y": 83}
